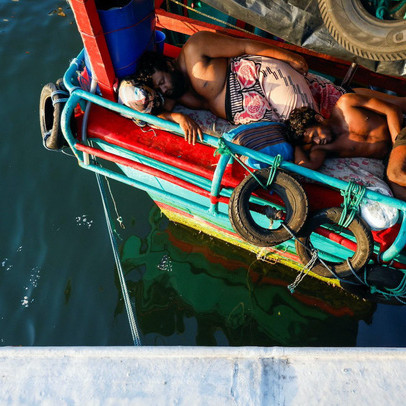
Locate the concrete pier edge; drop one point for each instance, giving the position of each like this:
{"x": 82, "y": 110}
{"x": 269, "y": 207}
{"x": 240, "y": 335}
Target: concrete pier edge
{"x": 202, "y": 376}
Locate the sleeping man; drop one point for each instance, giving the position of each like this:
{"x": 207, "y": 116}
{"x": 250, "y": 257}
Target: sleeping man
{"x": 241, "y": 80}
{"x": 361, "y": 125}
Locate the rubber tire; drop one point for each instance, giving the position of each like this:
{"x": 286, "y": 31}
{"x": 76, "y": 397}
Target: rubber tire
{"x": 50, "y": 117}
{"x": 364, "y": 35}
{"x": 292, "y": 195}
{"x": 361, "y": 232}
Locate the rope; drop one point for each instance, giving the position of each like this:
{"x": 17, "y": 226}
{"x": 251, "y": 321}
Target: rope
{"x": 398, "y": 7}
{"x": 59, "y": 100}
{"x": 223, "y": 149}
{"x": 126, "y": 298}
{"x": 383, "y": 9}
{"x": 131, "y": 318}
{"x": 273, "y": 169}
{"x": 363, "y": 282}
{"x": 400, "y": 290}
{"x": 398, "y": 293}
{"x": 353, "y": 196}
{"x": 119, "y": 218}
{"x": 311, "y": 263}
{"x": 209, "y": 16}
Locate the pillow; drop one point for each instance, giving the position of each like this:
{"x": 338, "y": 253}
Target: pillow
{"x": 368, "y": 172}
{"x": 266, "y": 137}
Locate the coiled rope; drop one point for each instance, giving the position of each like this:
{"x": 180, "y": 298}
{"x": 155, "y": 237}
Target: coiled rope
{"x": 353, "y": 196}
{"x": 383, "y": 8}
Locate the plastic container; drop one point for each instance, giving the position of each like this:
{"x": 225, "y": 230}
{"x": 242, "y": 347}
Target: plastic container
{"x": 129, "y": 31}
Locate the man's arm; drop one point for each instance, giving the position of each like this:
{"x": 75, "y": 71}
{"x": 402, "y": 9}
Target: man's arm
{"x": 206, "y": 44}
{"x": 313, "y": 160}
{"x": 189, "y": 127}
{"x": 393, "y": 113}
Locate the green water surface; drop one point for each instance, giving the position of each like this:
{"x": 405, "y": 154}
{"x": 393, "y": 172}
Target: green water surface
{"x": 58, "y": 284}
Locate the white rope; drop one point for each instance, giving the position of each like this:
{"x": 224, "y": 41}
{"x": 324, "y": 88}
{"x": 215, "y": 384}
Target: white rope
{"x": 126, "y": 297}
{"x": 118, "y": 218}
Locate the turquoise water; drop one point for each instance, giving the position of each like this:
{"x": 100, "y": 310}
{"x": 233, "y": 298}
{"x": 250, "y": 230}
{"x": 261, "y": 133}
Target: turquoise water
{"x": 58, "y": 284}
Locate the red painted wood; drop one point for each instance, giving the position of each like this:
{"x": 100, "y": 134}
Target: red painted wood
{"x": 91, "y": 31}
{"x": 158, "y": 3}
{"x": 158, "y": 144}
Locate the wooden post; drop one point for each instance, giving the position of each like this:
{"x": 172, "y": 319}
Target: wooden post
{"x": 91, "y": 31}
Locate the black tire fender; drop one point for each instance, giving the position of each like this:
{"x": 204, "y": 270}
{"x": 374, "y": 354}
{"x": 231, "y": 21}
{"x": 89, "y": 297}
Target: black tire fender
{"x": 50, "y": 117}
{"x": 359, "y": 229}
{"x": 358, "y": 31}
{"x": 290, "y": 192}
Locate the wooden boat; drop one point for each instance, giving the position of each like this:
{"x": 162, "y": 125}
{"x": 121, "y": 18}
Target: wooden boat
{"x": 296, "y": 218}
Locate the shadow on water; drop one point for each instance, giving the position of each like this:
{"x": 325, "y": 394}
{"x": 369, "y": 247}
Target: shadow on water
{"x": 191, "y": 289}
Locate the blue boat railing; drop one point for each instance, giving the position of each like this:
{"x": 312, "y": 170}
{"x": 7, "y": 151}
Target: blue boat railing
{"x": 78, "y": 95}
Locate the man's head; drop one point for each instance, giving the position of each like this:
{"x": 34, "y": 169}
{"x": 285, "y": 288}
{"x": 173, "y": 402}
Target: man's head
{"x": 306, "y": 126}
{"x": 160, "y": 73}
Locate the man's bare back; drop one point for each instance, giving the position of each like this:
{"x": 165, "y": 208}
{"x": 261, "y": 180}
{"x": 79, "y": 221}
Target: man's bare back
{"x": 207, "y": 77}
{"x": 205, "y": 60}
{"x": 203, "y": 63}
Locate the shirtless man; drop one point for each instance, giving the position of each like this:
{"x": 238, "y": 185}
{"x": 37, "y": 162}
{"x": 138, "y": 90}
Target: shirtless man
{"x": 203, "y": 76}
{"x": 361, "y": 125}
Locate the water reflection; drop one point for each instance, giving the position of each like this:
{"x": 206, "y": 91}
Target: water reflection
{"x": 190, "y": 289}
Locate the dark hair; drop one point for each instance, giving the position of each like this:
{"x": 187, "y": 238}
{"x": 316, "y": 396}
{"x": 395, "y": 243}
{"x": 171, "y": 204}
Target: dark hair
{"x": 158, "y": 104}
{"x": 149, "y": 63}
{"x": 299, "y": 120}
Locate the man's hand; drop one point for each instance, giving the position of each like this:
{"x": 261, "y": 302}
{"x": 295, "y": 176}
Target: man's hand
{"x": 190, "y": 128}
{"x": 300, "y": 65}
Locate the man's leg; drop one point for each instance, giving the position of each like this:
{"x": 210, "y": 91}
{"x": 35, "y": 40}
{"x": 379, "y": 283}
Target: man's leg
{"x": 398, "y": 100}
{"x": 396, "y": 170}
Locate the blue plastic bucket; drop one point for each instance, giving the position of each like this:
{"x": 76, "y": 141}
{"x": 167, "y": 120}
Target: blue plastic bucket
{"x": 160, "y": 38}
{"x": 129, "y": 31}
